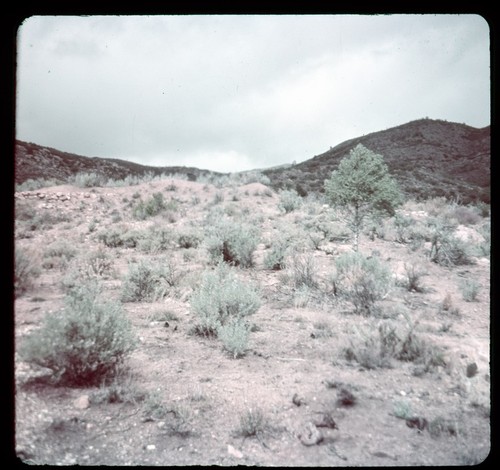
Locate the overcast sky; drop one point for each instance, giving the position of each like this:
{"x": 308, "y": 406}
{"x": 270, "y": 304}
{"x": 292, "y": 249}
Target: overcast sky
{"x": 231, "y": 93}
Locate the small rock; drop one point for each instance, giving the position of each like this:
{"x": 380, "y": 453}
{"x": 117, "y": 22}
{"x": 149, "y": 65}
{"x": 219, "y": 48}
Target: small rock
{"x": 234, "y": 452}
{"x": 150, "y": 447}
{"x": 298, "y": 401}
{"x": 310, "y": 435}
{"x": 325, "y": 421}
{"x": 345, "y": 398}
{"x": 417, "y": 422}
{"x": 82, "y": 402}
{"x": 471, "y": 370}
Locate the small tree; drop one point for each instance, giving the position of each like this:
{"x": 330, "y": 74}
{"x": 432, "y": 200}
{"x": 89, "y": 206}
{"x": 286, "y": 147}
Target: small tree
{"x": 362, "y": 186}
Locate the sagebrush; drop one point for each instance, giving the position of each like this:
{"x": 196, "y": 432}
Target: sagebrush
{"x": 85, "y": 343}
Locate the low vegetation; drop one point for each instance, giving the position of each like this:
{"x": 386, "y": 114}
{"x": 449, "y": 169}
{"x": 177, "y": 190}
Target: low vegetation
{"x": 83, "y": 344}
{"x": 193, "y": 312}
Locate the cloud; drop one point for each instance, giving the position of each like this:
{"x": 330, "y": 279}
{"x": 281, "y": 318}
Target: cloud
{"x": 243, "y": 91}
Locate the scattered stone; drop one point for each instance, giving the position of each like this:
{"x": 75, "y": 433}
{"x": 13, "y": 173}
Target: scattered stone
{"x": 234, "y": 452}
{"x": 82, "y": 402}
{"x": 471, "y": 370}
{"x": 417, "y": 422}
{"x": 325, "y": 421}
{"x": 150, "y": 447}
{"x": 383, "y": 455}
{"x": 298, "y": 401}
{"x": 310, "y": 435}
{"x": 345, "y": 398}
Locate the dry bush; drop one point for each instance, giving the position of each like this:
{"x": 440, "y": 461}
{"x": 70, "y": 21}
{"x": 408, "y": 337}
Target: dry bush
{"x": 85, "y": 343}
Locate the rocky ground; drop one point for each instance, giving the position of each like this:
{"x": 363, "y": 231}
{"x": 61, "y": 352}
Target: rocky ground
{"x": 183, "y": 400}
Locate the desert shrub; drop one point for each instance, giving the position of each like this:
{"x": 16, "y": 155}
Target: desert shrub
{"x": 26, "y": 269}
{"x": 448, "y": 250}
{"x": 464, "y": 215}
{"x": 96, "y": 263}
{"x": 156, "y": 240}
{"x": 89, "y": 180}
{"x": 149, "y": 282}
{"x": 117, "y": 391}
{"x": 218, "y": 198}
{"x": 188, "y": 238}
{"x": 220, "y": 299}
{"x": 470, "y": 289}
{"x": 39, "y": 220}
{"x": 484, "y": 248}
{"x": 153, "y": 407}
{"x": 181, "y": 423}
{"x": 289, "y": 200}
{"x": 234, "y": 336}
{"x": 149, "y": 208}
{"x": 362, "y": 281}
{"x": 83, "y": 344}
{"x": 447, "y": 306}
{"x": 33, "y": 185}
{"x": 414, "y": 272}
{"x": 303, "y": 270}
{"x": 276, "y": 257}
{"x": 232, "y": 242}
{"x": 115, "y": 237}
{"x": 252, "y": 423}
{"x": 61, "y": 250}
{"x": 24, "y": 210}
{"x": 390, "y": 341}
{"x": 403, "y": 225}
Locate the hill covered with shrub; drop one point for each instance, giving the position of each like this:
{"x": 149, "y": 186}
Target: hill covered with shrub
{"x": 429, "y": 158}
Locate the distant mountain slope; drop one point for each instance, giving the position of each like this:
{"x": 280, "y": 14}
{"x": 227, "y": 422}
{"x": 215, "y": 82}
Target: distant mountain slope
{"x": 34, "y": 161}
{"x": 428, "y": 158}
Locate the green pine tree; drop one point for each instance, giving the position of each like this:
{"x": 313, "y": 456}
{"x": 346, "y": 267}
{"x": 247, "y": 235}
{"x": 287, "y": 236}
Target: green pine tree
{"x": 362, "y": 186}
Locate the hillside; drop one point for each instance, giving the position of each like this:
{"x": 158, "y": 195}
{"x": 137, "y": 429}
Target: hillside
{"x": 34, "y": 161}
{"x": 428, "y": 157}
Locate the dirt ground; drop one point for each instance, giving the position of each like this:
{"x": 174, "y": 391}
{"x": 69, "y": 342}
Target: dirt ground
{"x": 295, "y": 374}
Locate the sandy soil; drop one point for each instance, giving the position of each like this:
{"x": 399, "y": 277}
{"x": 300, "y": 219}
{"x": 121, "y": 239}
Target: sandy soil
{"x": 294, "y": 372}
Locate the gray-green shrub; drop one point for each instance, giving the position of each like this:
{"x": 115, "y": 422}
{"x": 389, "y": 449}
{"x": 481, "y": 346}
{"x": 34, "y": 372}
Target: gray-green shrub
{"x": 362, "y": 281}
{"x": 277, "y": 255}
{"x": 373, "y": 349}
{"x": 303, "y": 270}
{"x": 448, "y": 250}
{"x": 221, "y": 298}
{"x": 149, "y": 208}
{"x": 26, "y": 269}
{"x": 156, "y": 240}
{"x": 149, "y": 282}
{"x": 470, "y": 289}
{"x": 89, "y": 180}
{"x": 59, "y": 253}
{"x": 188, "y": 238}
{"x": 289, "y": 200}
{"x": 115, "y": 237}
{"x": 85, "y": 343}
{"x": 32, "y": 185}
{"x": 234, "y": 336}
{"x": 232, "y": 242}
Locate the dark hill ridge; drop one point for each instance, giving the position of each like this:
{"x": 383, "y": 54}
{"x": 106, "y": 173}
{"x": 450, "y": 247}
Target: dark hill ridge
{"x": 428, "y": 157}
{"x": 34, "y": 161}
